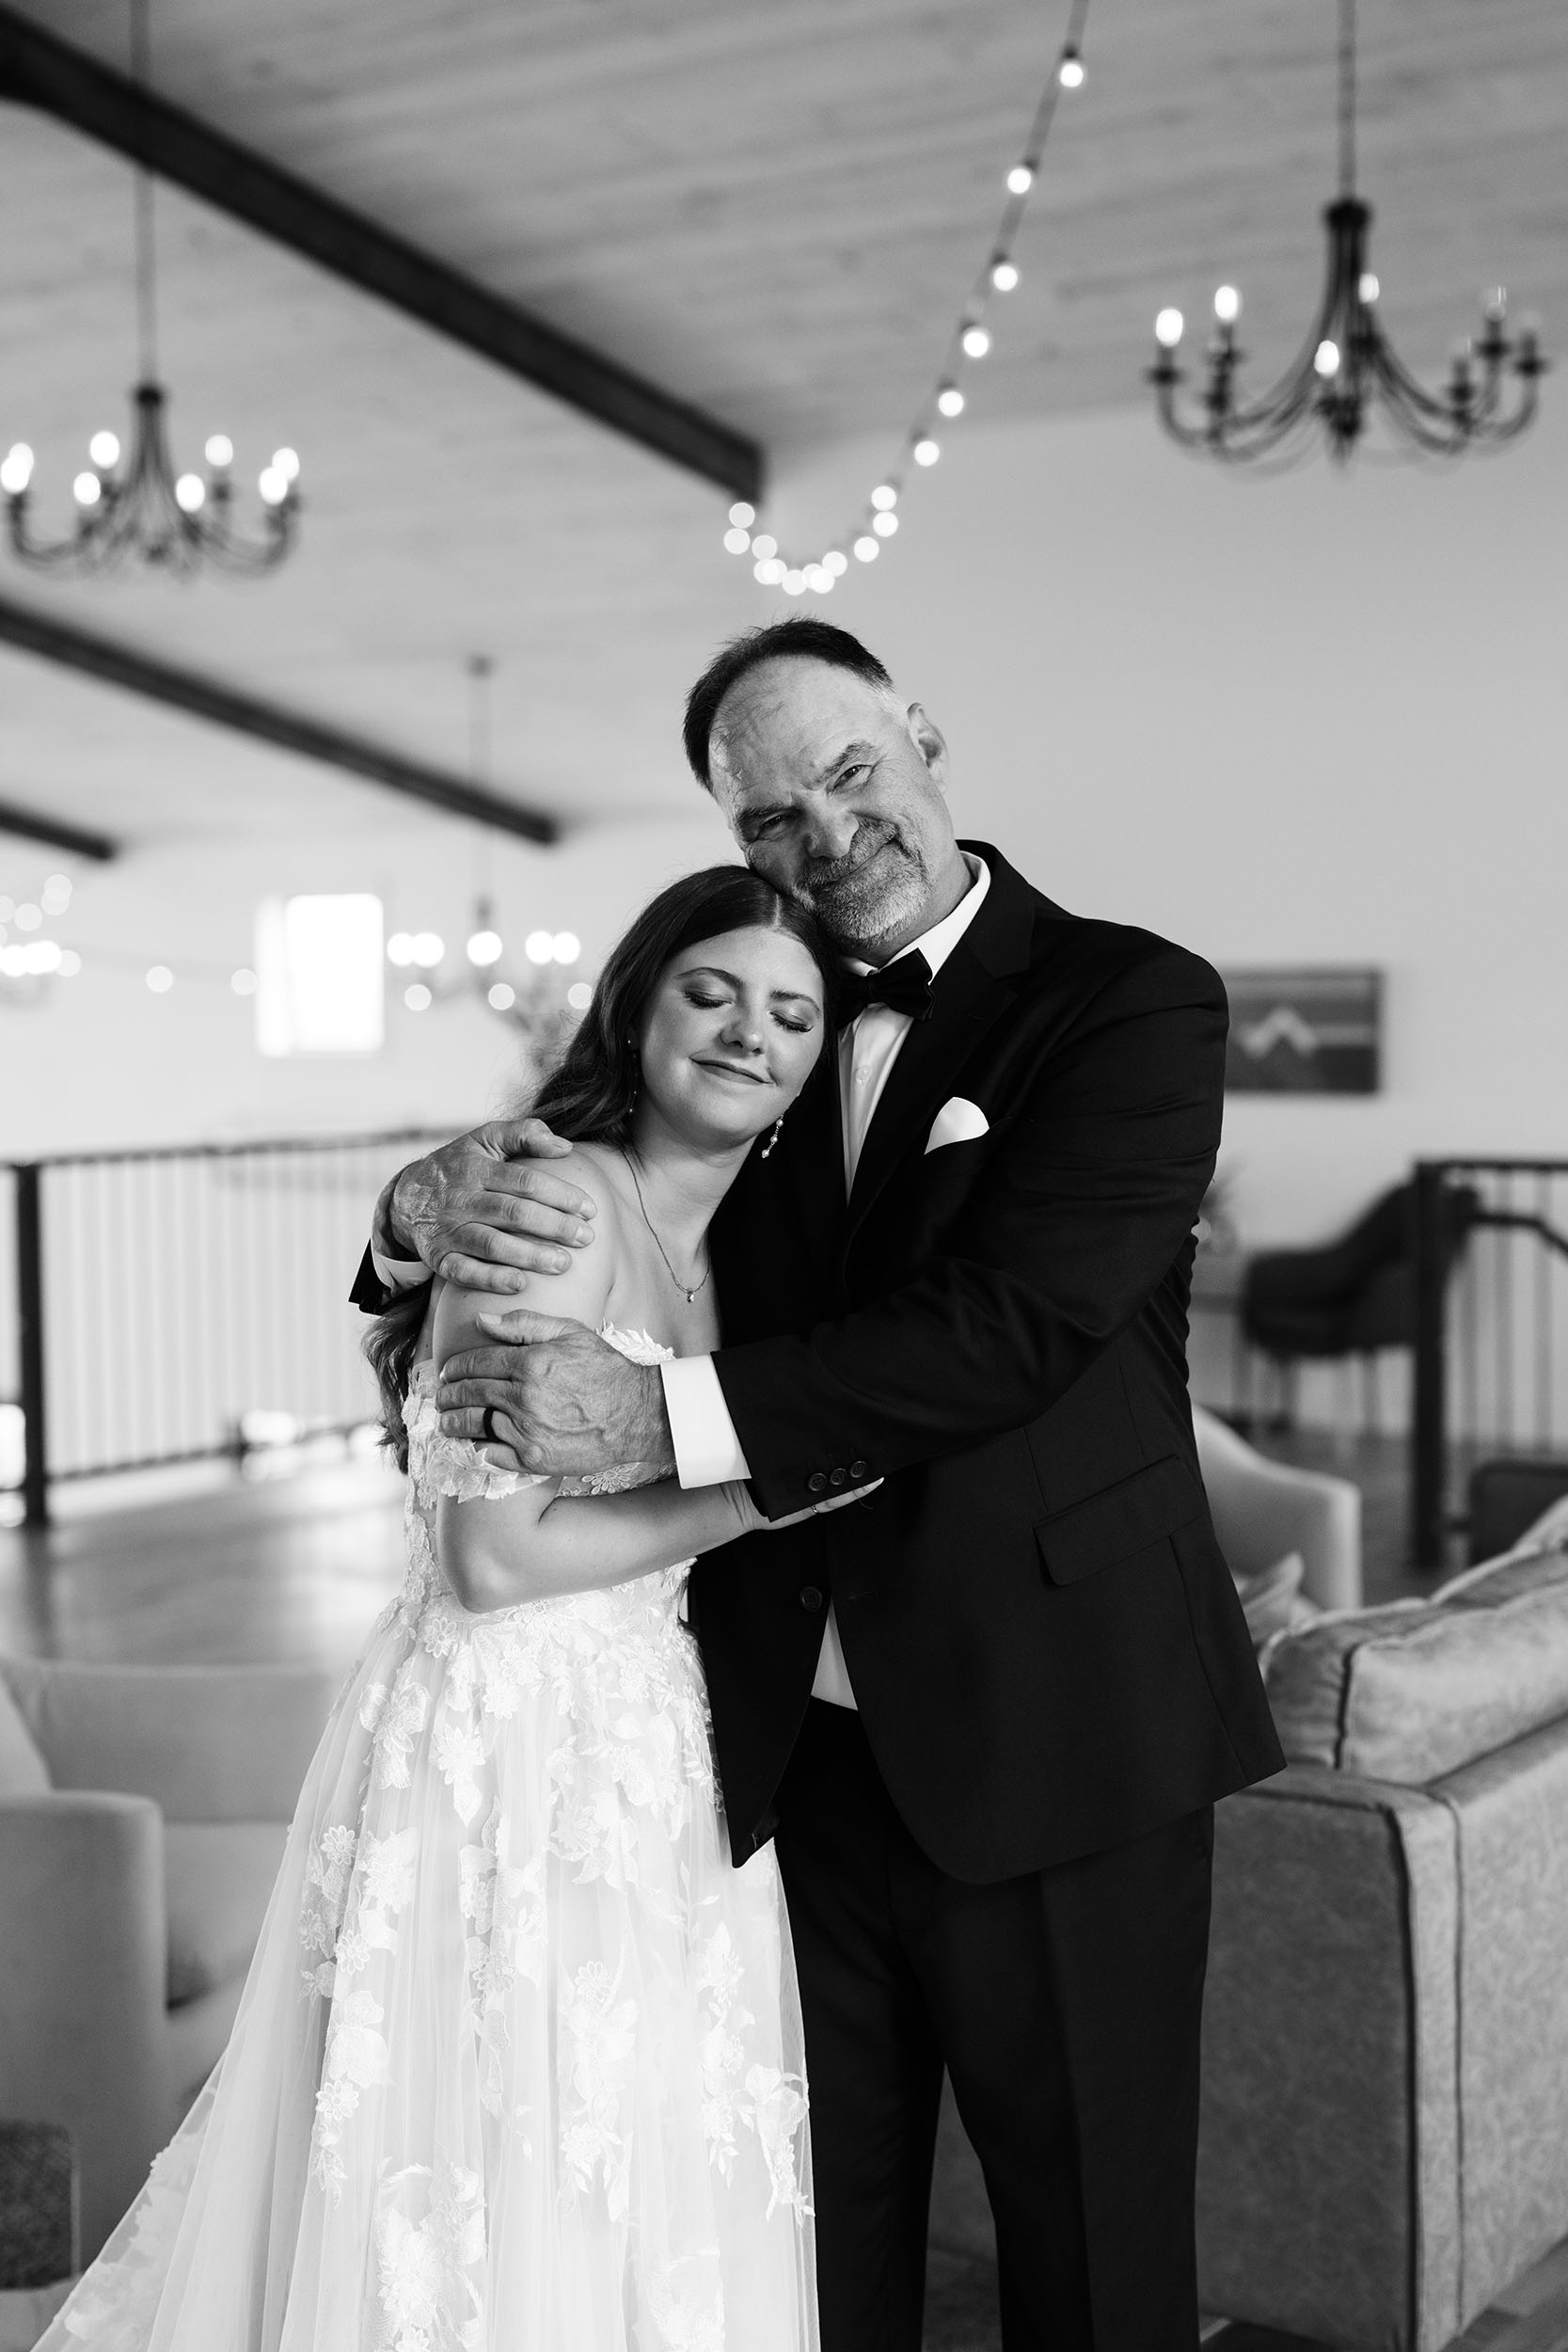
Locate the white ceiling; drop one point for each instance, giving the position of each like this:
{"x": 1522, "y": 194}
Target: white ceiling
{"x": 771, "y": 208}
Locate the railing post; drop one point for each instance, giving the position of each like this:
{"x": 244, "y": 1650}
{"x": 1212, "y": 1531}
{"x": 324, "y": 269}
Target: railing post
{"x": 1429, "y": 1417}
{"x": 30, "y": 1299}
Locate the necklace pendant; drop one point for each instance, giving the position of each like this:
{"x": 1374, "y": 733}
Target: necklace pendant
{"x": 690, "y": 1299}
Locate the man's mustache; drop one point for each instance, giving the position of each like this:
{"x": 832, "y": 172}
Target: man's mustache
{"x": 826, "y": 873}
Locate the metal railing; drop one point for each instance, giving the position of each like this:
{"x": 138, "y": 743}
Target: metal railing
{"x": 1491, "y": 1329}
{"x": 159, "y": 1304}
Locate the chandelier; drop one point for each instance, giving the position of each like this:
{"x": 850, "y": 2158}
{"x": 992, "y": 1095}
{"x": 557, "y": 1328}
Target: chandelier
{"x": 143, "y": 510}
{"x": 1347, "y": 370}
{"x": 537, "y": 999}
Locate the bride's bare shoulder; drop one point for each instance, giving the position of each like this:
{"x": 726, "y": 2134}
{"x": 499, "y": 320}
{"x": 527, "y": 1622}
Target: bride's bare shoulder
{"x": 582, "y": 1289}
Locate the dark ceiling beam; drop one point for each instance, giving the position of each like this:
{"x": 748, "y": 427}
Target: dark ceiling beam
{"x": 265, "y": 723}
{"x": 38, "y": 69}
{"x": 28, "y": 824}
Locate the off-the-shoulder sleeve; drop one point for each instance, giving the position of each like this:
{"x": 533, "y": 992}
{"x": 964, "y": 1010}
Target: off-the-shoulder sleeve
{"x": 439, "y": 1464}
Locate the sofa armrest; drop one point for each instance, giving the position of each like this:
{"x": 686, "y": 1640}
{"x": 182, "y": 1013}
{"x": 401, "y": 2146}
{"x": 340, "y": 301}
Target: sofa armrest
{"x": 82, "y": 1974}
{"x": 1327, "y": 2168}
{"x": 206, "y": 1743}
{"x": 1264, "y": 1509}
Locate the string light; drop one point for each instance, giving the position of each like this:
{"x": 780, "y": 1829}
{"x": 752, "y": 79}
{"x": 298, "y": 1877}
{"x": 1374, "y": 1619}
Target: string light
{"x": 971, "y": 340}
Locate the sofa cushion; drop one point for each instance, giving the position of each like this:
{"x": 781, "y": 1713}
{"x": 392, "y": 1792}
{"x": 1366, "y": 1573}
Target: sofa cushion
{"x": 217, "y": 1881}
{"x": 23, "y": 1769}
{"x": 1413, "y": 1690}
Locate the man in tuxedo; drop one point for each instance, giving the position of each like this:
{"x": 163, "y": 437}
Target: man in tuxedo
{"x": 987, "y": 1711}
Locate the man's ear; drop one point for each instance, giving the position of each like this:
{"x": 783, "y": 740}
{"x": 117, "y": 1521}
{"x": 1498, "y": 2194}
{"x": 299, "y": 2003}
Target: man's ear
{"x": 930, "y": 742}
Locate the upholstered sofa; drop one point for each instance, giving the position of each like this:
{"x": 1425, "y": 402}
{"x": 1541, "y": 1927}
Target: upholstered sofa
{"x": 142, "y": 1818}
{"x": 1385, "y": 2039}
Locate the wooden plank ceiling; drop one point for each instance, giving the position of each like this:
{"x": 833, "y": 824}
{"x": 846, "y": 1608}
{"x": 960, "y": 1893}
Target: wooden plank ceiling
{"x": 769, "y": 207}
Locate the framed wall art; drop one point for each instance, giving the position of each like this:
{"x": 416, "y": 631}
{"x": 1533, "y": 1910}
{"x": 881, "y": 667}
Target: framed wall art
{"x": 1304, "y": 1031}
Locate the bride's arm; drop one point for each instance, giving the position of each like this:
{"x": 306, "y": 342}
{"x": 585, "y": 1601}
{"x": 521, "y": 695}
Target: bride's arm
{"x": 497, "y": 1551}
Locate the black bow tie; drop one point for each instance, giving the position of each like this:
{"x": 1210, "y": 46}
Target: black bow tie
{"x": 903, "y": 986}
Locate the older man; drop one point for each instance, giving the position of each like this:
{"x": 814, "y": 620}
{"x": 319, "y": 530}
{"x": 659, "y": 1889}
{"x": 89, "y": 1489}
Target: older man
{"x": 985, "y": 1714}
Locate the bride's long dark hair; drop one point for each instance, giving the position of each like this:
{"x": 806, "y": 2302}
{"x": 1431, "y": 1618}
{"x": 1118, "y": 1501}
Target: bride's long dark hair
{"x": 588, "y": 1096}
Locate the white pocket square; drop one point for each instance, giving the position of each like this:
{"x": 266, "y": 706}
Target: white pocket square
{"x": 958, "y": 1122}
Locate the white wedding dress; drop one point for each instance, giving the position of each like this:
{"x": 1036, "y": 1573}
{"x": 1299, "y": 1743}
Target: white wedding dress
{"x": 518, "y": 2066}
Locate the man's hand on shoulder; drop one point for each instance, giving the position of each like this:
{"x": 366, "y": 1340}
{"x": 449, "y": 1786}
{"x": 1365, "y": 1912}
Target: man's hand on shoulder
{"x": 580, "y": 1406}
{"x": 486, "y": 1212}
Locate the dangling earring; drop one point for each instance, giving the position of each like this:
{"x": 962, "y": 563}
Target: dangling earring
{"x": 774, "y": 1137}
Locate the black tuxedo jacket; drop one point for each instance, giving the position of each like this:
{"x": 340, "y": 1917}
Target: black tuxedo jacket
{"x": 1043, "y": 1637}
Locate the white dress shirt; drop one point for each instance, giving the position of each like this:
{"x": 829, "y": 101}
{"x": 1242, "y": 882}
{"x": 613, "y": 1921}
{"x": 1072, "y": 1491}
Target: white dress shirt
{"x": 707, "y": 1448}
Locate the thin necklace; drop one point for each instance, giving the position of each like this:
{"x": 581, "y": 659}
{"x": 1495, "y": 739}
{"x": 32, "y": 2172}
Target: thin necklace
{"x": 690, "y": 1294}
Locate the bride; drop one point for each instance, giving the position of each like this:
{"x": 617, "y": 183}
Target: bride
{"x": 518, "y": 2066}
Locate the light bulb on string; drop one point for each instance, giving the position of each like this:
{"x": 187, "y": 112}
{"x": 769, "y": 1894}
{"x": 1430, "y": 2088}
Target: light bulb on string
{"x": 103, "y": 448}
{"x": 999, "y": 274}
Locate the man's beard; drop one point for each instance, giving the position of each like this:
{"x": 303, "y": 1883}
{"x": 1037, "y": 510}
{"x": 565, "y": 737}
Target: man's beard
{"x": 864, "y": 898}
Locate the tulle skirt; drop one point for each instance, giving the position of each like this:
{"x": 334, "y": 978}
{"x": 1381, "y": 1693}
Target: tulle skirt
{"x": 518, "y": 2066}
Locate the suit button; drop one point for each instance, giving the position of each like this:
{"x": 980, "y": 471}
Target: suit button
{"x": 857, "y": 1470}
{"x": 838, "y": 1478}
{"x": 818, "y": 1482}
{"x": 811, "y": 1599}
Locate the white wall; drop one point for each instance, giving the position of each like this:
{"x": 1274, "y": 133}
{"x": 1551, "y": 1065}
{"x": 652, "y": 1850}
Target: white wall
{"x": 104, "y": 1064}
{"x": 1319, "y": 719}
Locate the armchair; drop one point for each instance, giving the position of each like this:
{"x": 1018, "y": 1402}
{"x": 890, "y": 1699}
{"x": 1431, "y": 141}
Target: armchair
{"x": 1264, "y": 1509}
{"x": 143, "y": 1812}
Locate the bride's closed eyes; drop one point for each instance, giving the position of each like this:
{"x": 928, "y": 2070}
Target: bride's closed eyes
{"x": 715, "y": 1003}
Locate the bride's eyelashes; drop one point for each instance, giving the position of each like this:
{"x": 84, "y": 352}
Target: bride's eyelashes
{"x": 716, "y": 1004}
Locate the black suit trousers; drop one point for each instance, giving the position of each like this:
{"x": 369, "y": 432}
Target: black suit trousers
{"x": 1066, "y": 2006}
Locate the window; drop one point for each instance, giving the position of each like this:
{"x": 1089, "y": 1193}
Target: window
{"x": 319, "y": 974}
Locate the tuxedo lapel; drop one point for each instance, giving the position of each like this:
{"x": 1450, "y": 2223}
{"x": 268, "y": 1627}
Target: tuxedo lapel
{"x": 978, "y": 981}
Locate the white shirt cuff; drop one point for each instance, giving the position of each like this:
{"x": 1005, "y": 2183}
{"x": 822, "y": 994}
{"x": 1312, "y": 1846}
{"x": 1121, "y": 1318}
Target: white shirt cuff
{"x": 707, "y": 1451}
{"x": 398, "y": 1274}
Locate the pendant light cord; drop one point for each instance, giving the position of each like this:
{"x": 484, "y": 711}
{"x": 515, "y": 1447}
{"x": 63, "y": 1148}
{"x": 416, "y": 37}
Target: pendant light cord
{"x": 1347, "y": 97}
{"x": 147, "y": 303}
